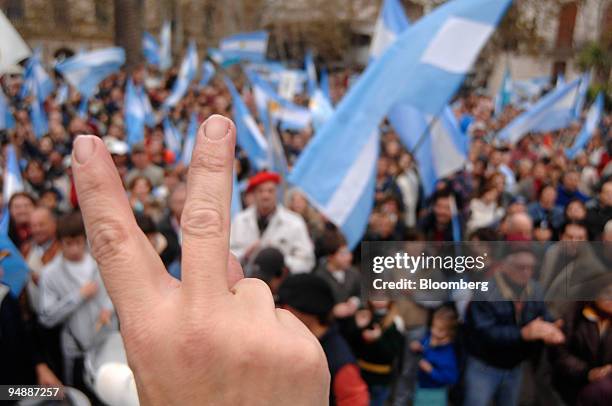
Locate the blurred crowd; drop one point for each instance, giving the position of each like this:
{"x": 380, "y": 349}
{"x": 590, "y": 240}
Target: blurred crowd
{"x": 516, "y": 349}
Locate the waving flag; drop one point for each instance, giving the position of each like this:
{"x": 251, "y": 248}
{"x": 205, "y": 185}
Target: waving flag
{"x": 86, "y": 70}
{"x": 172, "y": 137}
{"x": 186, "y": 74}
{"x": 552, "y": 112}
{"x": 311, "y": 72}
{"x": 62, "y": 94}
{"x": 251, "y": 46}
{"x": 504, "y": 96}
{"x": 138, "y": 112}
{"x": 38, "y": 116}
{"x": 391, "y": 22}
{"x": 422, "y": 68}
{"x": 13, "y": 182}
{"x": 440, "y": 148}
{"x": 592, "y": 121}
{"x": 270, "y": 105}
{"x": 321, "y": 109}
{"x": 35, "y": 75}
{"x": 150, "y": 49}
{"x": 208, "y": 71}
{"x": 325, "y": 85}
{"x": 585, "y": 82}
{"x": 530, "y": 88}
{"x": 15, "y": 269}
{"x": 7, "y": 121}
{"x": 13, "y": 48}
{"x": 165, "y": 49}
{"x": 190, "y": 139}
{"x": 249, "y": 136}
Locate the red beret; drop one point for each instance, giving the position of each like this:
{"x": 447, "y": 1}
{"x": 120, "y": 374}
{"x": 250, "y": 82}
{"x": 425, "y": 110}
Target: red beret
{"x": 262, "y": 177}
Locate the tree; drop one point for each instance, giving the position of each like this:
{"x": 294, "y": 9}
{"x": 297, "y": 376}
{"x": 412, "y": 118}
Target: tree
{"x": 129, "y": 17}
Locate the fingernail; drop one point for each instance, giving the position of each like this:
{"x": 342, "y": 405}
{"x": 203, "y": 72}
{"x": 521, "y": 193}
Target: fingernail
{"x": 84, "y": 147}
{"x": 217, "y": 127}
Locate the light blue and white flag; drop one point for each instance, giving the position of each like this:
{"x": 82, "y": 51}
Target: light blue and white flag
{"x": 165, "y": 47}
{"x": 321, "y": 108}
{"x": 208, "y": 72}
{"x": 324, "y": 84}
{"x": 15, "y": 269}
{"x": 150, "y": 49}
{"x": 251, "y": 46}
{"x": 13, "y": 48}
{"x": 592, "y": 121}
{"x": 236, "y": 204}
{"x": 62, "y": 94}
{"x": 186, "y": 74}
{"x": 172, "y": 137}
{"x": 13, "y": 181}
{"x": 552, "y": 112}
{"x": 270, "y": 71}
{"x": 504, "y": 96}
{"x": 440, "y": 147}
{"x": 311, "y": 73}
{"x": 190, "y": 139}
{"x": 86, "y": 70}
{"x": 138, "y": 112}
{"x": 530, "y": 88}
{"x": 585, "y": 82}
{"x": 271, "y": 106}
{"x": 560, "y": 80}
{"x": 422, "y": 68}
{"x": 7, "y": 121}
{"x": 391, "y": 22}
{"x": 455, "y": 220}
{"x": 38, "y": 116}
{"x": 35, "y": 75}
{"x": 248, "y": 135}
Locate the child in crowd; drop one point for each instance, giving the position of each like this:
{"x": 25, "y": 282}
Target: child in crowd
{"x": 377, "y": 338}
{"x": 438, "y": 366}
{"x": 73, "y": 294}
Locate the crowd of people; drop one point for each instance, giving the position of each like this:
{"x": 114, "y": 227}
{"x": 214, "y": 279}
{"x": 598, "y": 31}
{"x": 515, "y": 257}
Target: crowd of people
{"x": 511, "y": 348}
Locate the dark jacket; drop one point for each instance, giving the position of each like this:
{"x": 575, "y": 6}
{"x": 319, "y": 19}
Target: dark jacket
{"x": 173, "y": 249}
{"x": 493, "y": 327}
{"x": 596, "y": 219}
{"x": 351, "y": 286}
{"x": 583, "y": 350}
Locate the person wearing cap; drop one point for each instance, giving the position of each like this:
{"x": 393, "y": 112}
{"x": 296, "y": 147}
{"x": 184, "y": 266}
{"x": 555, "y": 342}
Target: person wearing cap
{"x": 311, "y": 300}
{"x": 144, "y": 167}
{"x": 269, "y": 266}
{"x": 267, "y": 223}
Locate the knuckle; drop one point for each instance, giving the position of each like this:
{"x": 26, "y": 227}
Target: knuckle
{"x": 107, "y": 239}
{"x": 202, "y": 221}
{"x": 211, "y": 159}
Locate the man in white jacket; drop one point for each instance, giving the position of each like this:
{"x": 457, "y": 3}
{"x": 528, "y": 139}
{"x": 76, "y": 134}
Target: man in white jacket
{"x": 268, "y": 224}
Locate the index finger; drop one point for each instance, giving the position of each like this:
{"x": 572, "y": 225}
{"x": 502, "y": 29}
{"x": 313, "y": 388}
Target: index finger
{"x": 131, "y": 269}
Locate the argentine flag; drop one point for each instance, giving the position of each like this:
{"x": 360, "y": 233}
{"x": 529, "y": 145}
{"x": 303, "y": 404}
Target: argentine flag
{"x": 186, "y": 74}
{"x": 422, "y": 68}
{"x": 138, "y": 112}
{"x": 7, "y": 121}
{"x": 165, "y": 47}
{"x": 391, "y": 22}
{"x": 251, "y": 46}
{"x": 35, "y": 75}
{"x": 249, "y": 137}
{"x": 172, "y": 137}
{"x": 86, "y": 70}
{"x": 38, "y": 116}
{"x": 13, "y": 48}
{"x": 438, "y": 145}
{"x": 150, "y": 49}
{"x": 208, "y": 72}
{"x": 311, "y": 73}
{"x": 552, "y": 112}
{"x": 592, "y": 121}
{"x": 504, "y": 96}
{"x": 12, "y": 182}
{"x": 585, "y": 82}
{"x": 190, "y": 139}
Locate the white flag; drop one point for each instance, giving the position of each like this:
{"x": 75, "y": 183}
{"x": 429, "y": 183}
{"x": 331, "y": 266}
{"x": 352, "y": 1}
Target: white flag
{"x": 12, "y": 47}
